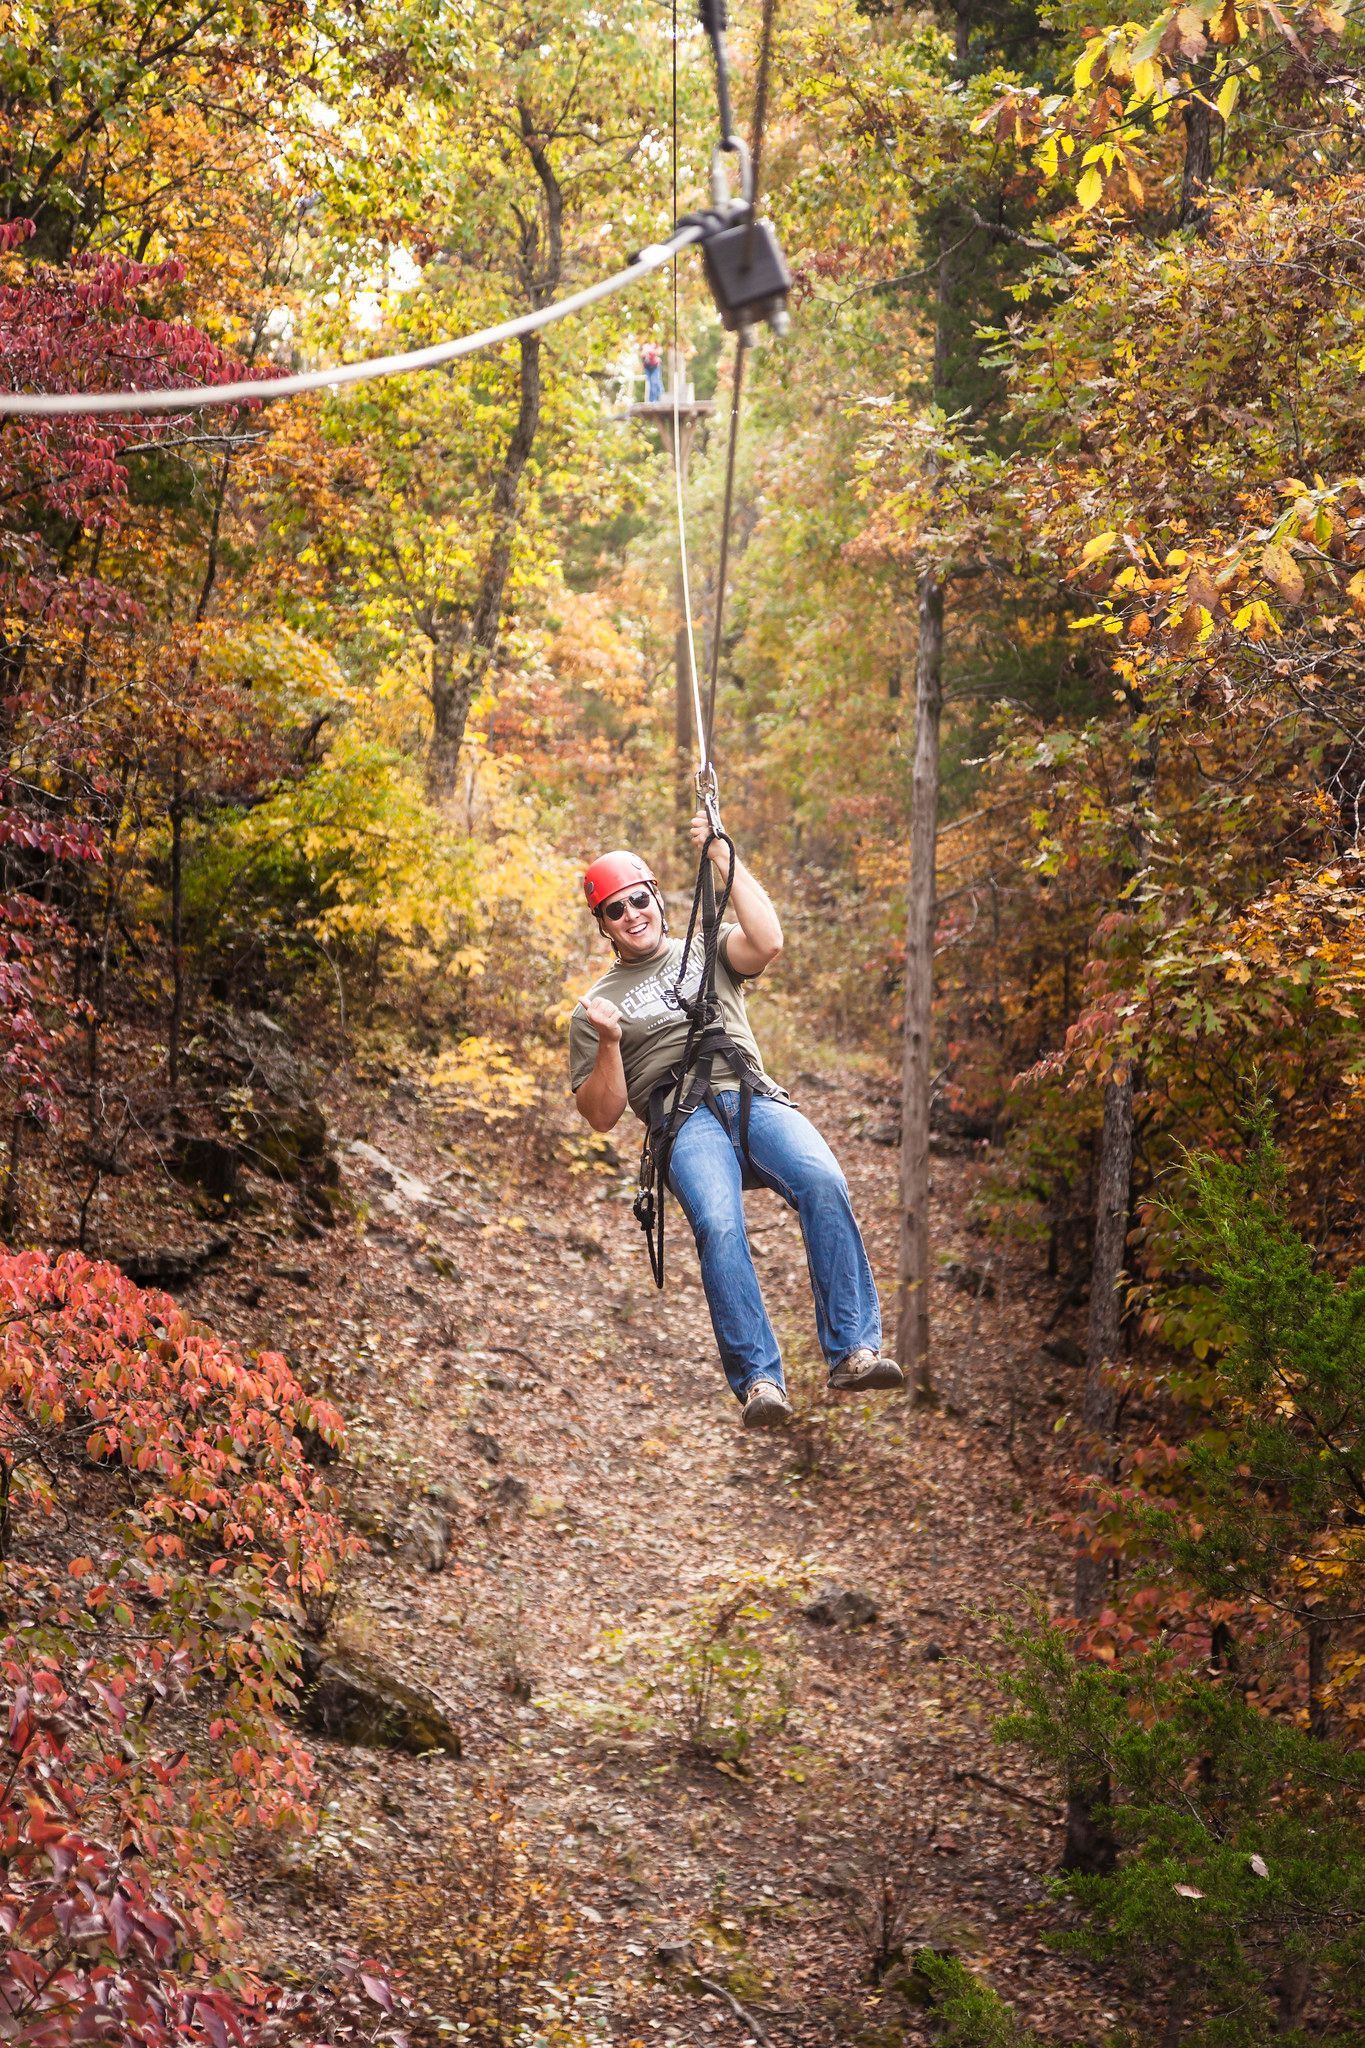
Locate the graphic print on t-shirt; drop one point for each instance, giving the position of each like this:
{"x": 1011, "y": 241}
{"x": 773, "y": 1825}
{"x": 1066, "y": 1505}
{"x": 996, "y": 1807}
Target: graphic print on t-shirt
{"x": 646, "y": 1003}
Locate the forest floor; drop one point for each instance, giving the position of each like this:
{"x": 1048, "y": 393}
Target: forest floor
{"x": 489, "y": 1329}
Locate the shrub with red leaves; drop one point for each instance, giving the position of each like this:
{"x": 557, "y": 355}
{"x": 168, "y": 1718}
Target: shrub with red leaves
{"x": 79, "y": 328}
{"x": 83, "y": 328}
{"x": 205, "y": 1527}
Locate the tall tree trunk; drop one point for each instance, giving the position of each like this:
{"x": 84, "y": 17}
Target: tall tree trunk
{"x": 542, "y": 263}
{"x": 72, "y": 695}
{"x": 95, "y": 1008}
{"x": 450, "y": 704}
{"x": 177, "y": 1022}
{"x": 178, "y": 793}
{"x": 912, "y": 1277}
{"x": 912, "y": 1271}
{"x": 1089, "y": 1844}
{"x": 444, "y": 684}
{"x": 962, "y": 36}
{"x": 1104, "y": 1337}
{"x": 1197, "y": 170}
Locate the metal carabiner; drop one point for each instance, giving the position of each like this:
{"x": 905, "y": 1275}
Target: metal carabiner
{"x": 708, "y": 796}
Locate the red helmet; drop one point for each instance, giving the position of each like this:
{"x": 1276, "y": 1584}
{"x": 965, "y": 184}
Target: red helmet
{"x": 612, "y": 872}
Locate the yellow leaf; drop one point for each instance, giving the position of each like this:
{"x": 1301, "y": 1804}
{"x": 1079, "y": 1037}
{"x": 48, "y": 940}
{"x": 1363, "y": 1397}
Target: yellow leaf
{"x": 1279, "y": 567}
{"x": 1091, "y": 59}
{"x": 1227, "y": 98}
{"x": 1090, "y": 189}
{"x": 1355, "y": 590}
{"x": 1256, "y": 620}
{"x": 1099, "y": 545}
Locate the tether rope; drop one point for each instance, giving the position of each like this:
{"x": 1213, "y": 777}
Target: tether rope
{"x": 742, "y": 337}
{"x": 66, "y": 404}
{"x": 723, "y": 565}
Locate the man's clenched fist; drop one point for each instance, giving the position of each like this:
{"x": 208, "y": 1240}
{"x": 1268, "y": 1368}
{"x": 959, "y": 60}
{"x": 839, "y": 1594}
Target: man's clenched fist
{"x": 604, "y": 1018}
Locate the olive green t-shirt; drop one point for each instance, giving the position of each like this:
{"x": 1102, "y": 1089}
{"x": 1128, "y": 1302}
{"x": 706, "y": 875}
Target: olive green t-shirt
{"x": 653, "y": 1035}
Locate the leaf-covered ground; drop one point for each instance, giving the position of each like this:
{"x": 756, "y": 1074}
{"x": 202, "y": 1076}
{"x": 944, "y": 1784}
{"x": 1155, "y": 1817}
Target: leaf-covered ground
{"x": 505, "y": 1362}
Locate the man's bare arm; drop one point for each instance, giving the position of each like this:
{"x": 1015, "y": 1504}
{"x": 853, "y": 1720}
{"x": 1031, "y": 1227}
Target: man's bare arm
{"x": 758, "y": 942}
{"x": 602, "y": 1098}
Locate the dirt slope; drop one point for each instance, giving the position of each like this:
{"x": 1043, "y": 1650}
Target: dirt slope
{"x": 506, "y": 1365}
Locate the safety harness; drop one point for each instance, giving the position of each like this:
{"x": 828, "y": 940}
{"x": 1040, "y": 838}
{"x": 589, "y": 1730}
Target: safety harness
{"x": 687, "y": 1086}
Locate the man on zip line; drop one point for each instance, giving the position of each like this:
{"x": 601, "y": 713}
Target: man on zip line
{"x": 626, "y": 1039}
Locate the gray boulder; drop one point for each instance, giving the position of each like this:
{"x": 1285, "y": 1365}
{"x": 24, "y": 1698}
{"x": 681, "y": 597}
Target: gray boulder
{"x": 352, "y": 1698}
{"x": 271, "y": 1110}
{"x": 841, "y": 1607}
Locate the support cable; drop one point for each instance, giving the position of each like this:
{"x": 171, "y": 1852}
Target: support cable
{"x": 66, "y": 404}
{"x": 713, "y": 17}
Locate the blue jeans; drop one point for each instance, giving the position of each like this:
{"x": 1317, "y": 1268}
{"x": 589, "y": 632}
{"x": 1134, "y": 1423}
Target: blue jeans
{"x": 654, "y": 384}
{"x": 789, "y": 1155}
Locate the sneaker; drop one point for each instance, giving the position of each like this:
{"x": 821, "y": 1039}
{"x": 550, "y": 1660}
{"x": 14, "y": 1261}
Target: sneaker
{"x": 766, "y": 1406}
{"x": 863, "y": 1369}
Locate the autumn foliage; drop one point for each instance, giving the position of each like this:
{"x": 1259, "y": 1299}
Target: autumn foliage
{"x": 146, "y": 1676}
{"x": 311, "y": 711}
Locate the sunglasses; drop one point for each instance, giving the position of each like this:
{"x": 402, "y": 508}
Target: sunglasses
{"x": 638, "y": 899}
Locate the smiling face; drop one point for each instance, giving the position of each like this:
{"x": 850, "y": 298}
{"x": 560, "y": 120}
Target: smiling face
{"x": 637, "y": 929}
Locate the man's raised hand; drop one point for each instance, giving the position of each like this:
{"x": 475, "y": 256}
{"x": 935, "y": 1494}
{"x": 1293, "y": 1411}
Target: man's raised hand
{"x": 699, "y": 831}
{"x": 604, "y": 1018}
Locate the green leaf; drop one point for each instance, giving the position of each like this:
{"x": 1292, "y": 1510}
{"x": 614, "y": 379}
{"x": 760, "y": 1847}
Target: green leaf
{"x": 1146, "y": 46}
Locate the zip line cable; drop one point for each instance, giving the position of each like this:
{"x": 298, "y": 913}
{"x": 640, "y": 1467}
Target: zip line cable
{"x": 675, "y": 377}
{"x": 68, "y": 404}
